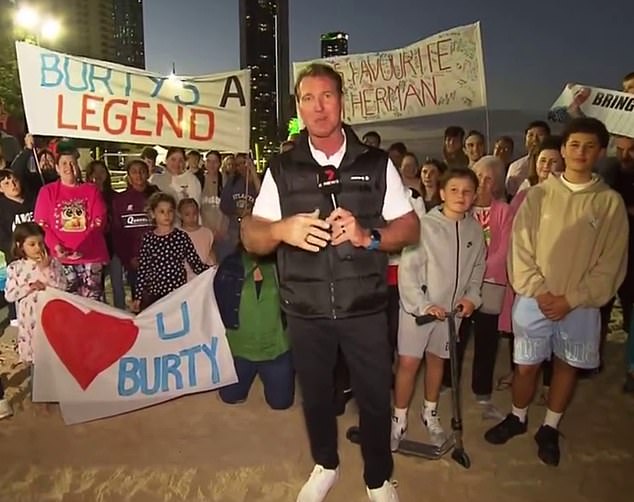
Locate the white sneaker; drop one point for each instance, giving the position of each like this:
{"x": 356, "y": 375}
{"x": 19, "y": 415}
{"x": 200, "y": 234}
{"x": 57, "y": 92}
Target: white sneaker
{"x": 5, "y": 409}
{"x": 13, "y": 323}
{"x": 398, "y": 431}
{"x": 387, "y": 493}
{"x": 436, "y": 433}
{"x": 318, "y": 485}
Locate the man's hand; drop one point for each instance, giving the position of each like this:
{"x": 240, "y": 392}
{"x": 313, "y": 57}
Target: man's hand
{"x": 345, "y": 227}
{"x": 467, "y": 307}
{"x": 134, "y": 263}
{"x": 438, "y": 312}
{"x": 557, "y": 309}
{"x": 305, "y": 231}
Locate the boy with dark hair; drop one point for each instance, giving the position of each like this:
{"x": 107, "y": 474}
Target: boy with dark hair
{"x": 16, "y": 206}
{"x": 452, "y": 148}
{"x": 396, "y": 152}
{"x": 474, "y": 146}
{"x": 518, "y": 171}
{"x": 435, "y": 277}
{"x": 556, "y": 311}
{"x": 372, "y": 138}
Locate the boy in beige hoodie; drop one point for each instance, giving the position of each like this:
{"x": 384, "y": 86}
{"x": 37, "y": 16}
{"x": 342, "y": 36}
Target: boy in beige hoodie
{"x": 567, "y": 258}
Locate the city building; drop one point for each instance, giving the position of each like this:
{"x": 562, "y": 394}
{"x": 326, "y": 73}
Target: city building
{"x": 264, "y": 49}
{"x": 110, "y": 30}
{"x": 128, "y": 33}
{"x": 333, "y": 44}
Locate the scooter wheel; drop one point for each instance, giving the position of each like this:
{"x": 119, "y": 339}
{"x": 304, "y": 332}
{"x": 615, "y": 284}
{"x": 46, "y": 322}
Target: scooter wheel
{"x": 354, "y": 435}
{"x": 461, "y": 457}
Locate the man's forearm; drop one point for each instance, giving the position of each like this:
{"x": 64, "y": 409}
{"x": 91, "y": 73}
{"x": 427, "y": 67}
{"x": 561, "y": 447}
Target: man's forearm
{"x": 259, "y": 236}
{"x": 399, "y": 233}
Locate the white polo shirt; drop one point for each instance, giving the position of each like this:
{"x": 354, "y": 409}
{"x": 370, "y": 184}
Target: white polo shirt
{"x": 396, "y": 202}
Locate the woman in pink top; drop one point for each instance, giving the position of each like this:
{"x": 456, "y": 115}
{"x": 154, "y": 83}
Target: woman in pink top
{"x": 73, "y": 216}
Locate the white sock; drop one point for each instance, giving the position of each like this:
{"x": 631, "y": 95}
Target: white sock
{"x": 552, "y": 419}
{"x": 400, "y": 414}
{"x": 520, "y": 413}
{"x": 429, "y": 407}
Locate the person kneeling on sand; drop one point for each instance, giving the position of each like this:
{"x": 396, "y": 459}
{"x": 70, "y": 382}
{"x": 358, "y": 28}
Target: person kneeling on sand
{"x": 248, "y": 298}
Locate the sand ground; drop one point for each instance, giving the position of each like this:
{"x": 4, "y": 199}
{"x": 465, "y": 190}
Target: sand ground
{"x": 198, "y": 449}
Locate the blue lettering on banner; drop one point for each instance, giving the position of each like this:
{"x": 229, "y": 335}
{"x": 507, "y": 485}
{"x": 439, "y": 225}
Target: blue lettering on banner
{"x": 168, "y": 375}
{"x": 50, "y": 64}
{"x": 160, "y": 324}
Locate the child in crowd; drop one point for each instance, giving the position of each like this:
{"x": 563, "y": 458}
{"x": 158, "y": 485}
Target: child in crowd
{"x": 202, "y": 237}
{"x": 31, "y": 271}
{"x": 435, "y": 277}
{"x": 97, "y": 172}
{"x": 163, "y": 254}
{"x": 249, "y": 302}
{"x": 567, "y": 258}
{"x": 430, "y": 175}
{"x": 130, "y": 219}
{"x": 74, "y": 217}
{"x": 16, "y": 207}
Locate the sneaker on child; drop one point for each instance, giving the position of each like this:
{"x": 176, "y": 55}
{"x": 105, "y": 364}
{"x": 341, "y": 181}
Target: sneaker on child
{"x": 386, "y": 493}
{"x": 398, "y": 431}
{"x": 437, "y": 435}
{"x": 505, "y": 430}
{"x": 5, "y": 409}
{"x": 319, "y": 483}
{"x": 547, "y": 439}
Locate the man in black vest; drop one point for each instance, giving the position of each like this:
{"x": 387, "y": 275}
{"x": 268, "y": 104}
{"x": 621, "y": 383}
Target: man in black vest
{"x": 332, "y": 273}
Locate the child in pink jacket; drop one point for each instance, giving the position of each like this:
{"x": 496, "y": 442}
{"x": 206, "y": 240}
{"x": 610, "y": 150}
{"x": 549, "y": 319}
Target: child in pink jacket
{"x": 73, "y": 215}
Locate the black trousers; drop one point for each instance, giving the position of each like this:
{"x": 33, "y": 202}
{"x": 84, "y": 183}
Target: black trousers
{"x": 393, "y": 300}
{"x": 363, "y": 342}
{"x": 486, "y": 339}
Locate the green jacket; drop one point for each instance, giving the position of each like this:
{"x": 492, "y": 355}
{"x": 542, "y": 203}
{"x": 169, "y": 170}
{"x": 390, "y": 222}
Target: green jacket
{"x": 261, "y": 335}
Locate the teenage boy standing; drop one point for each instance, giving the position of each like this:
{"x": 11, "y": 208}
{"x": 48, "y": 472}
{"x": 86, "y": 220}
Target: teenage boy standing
{"x": 556, "y": 311}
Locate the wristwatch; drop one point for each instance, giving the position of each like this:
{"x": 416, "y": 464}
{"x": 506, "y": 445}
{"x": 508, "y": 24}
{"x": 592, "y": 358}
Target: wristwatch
{"x": 375, "y": 240}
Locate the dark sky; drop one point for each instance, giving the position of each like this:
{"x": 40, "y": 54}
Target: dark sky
{"x": 529, "y": 53}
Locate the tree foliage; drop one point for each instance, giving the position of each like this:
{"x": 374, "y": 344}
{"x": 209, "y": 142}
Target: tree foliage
{"x": 9, "y": 79}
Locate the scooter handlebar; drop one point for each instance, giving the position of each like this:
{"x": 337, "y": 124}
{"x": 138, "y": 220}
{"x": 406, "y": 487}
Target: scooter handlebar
{"x": 427, "y": 318}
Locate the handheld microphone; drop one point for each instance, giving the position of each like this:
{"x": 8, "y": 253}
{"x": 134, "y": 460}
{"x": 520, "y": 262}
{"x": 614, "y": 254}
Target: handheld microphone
{"x": 329, "y": 184}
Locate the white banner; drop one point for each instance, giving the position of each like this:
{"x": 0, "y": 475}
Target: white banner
{"x": 98, "y": 361}
{"x": 84, "y": 98}
{"x": 440, "y": 74}
{"x": 615, "y": 109}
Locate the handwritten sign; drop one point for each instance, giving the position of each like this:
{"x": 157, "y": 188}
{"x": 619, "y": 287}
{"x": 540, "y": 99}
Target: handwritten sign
{"x": 84, "y": 98}
{"x": 440, "y": 74}
{"x": 615, "y": 109}
{"x": 98, "y": 361}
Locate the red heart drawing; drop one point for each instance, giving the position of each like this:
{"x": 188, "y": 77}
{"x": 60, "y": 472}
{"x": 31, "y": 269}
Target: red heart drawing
{"x": 86, "y": 343}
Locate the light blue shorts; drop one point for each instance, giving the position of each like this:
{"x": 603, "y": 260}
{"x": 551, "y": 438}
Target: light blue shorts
{"x": 575, "y": 339}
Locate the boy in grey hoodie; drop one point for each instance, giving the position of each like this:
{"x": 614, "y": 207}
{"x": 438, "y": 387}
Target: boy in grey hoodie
{"x": 444, "y": 271}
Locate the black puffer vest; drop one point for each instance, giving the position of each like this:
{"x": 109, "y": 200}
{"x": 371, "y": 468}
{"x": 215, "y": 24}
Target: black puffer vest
{"x": 332, "y": 284}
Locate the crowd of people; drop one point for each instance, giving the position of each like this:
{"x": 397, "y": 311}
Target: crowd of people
{"x": 325, "y": 285}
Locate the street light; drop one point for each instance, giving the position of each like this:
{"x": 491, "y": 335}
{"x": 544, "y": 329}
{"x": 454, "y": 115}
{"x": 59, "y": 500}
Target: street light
{"x": 27, "y": 17}
{"x": 30, "y": 20}
{"x": 51, "y": 29}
